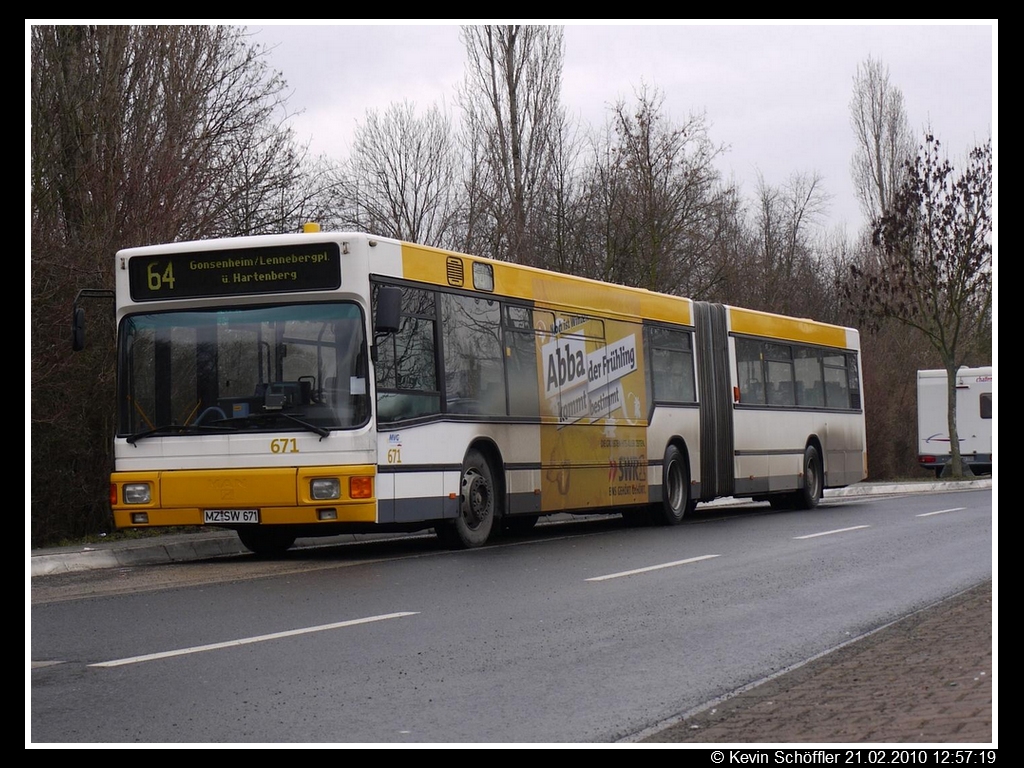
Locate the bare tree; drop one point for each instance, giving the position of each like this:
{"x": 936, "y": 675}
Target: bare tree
{"x": 167, "y": 132}
{"x": 884, "y": 140}
{"x": 274, "y": 185}
{"x": 139, "y": 134}
{"x": 402, "y": 179}
{"x": 786, "y": 263}
{"x": 563, "y": 207}
{"x": 661, "y": 199}
{"x": 512, "y": 116}
{"x": 934, "y": 271}
{"x": 834, "y": 254}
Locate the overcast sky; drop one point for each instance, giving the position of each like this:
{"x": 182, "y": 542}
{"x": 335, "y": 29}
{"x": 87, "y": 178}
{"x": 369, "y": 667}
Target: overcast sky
{"x": 777, "y": 95}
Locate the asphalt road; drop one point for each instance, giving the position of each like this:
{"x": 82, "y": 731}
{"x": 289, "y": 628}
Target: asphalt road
{"x": 924, "y": 678}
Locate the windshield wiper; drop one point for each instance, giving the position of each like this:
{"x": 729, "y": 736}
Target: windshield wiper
{"x": 267, "y": 416}
{"x": 176, "y": 429}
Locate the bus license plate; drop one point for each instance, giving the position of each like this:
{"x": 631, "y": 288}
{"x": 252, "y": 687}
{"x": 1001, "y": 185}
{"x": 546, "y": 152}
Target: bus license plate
{"x": 232, "y": 516}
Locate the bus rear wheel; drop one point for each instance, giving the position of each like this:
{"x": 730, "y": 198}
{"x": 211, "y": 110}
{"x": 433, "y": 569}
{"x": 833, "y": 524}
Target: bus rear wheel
{"x": 265, "y": 541}
{"x": 675, "y": 489}
{"x": 809, "y": 496}
{"x": 480, "y": 507}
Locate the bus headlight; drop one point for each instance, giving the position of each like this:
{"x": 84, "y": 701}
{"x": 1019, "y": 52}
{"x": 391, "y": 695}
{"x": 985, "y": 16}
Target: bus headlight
{"x": 321, "y": 488}
{"x": 137, "y": 493}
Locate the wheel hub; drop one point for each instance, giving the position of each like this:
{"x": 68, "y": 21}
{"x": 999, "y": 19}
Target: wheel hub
{"x": 476, "y": 498}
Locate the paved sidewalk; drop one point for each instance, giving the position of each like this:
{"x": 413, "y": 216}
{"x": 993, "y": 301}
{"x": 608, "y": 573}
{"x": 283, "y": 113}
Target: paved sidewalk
{"x": 925, "y": 679}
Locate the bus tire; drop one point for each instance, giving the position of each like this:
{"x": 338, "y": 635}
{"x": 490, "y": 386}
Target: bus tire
{"x": 479, "y": 506}
{"x": 675, "y": 489}
{"x": 265, "y": 541}
{"x": 810, "y": 494}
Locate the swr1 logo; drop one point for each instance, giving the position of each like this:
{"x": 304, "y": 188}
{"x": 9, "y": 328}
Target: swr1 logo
{"x": 627, "y": 469}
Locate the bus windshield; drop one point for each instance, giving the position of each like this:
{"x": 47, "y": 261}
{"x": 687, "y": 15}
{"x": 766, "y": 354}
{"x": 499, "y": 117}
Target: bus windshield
{"x": 268, "y": 368}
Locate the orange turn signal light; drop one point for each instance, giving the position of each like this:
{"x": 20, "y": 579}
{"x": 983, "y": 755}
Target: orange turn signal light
{"x": 360, "y": 487}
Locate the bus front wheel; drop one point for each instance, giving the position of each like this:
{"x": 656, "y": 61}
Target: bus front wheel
{"x": 809, "y": 496}
{"x": 675, "y": 489}
{"x": 479, "y": 505}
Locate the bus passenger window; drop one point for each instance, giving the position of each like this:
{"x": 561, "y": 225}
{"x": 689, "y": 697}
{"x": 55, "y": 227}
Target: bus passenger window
{"x": 671, "y": 365}
{"x": 750, "y": 375}
{"x": 837, "y": 391}
{"x": 474, "y": 360}
{"x": 810, "y": 390}
{"x": 406, "y": 366}
{"x": 780, "y": 376}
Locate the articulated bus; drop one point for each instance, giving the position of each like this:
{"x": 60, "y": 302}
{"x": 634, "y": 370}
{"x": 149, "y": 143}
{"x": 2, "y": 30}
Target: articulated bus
{"x": 320, "y": 383}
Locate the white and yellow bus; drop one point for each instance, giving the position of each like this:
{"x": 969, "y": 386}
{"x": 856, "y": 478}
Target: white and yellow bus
{"x": 328, "y": 382}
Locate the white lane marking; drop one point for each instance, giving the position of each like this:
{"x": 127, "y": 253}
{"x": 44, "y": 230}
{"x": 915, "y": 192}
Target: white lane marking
{"x": 941, "y": 511}
{"x": 248, "y": 640}
{"x": 651, "y": 568}
{"x": 829, "y": 533}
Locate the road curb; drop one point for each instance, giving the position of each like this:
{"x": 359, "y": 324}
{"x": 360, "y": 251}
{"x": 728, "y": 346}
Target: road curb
{"x": 88, "y": 558}
{"x": 883, "y": 489}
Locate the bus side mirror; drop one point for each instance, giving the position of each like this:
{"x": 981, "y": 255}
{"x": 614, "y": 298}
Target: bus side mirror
{"x": 388, "y": 317}
{"x": 78, "y": 314}
{"x": 77, "y": 329}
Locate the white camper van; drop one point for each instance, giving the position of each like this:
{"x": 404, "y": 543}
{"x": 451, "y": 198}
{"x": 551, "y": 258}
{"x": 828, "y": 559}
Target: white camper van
{"x": 973, "y": 419}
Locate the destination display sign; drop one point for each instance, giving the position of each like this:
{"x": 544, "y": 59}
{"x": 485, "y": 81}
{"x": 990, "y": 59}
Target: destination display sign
{"x": 277, "y": 269}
